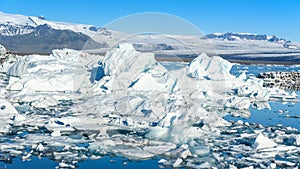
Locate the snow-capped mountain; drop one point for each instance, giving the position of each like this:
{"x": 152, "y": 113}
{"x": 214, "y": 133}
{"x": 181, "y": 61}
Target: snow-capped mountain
{"x": 30, "y": 34}
{"x": 245, "y": 36}
{"x": 229, "y": 36}
{"x": 12, "y": 24}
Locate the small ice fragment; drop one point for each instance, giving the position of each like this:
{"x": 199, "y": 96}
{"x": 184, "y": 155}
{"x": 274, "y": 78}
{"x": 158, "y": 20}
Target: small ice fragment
{"x": 162, "y": 161}
{"x": 55, "y": 134}
{"x": 205, "y": 165}
{"x": 297, "y": 138}
{"x": 64, "y": 165}
{"x": 185, "y": 154}
{"x": 25, "y": 157}
{"x": 240, "y": 122}
{"x": 232, "y": 167}
{"x": 177, "y": 162}
{"x": 263, "y": 142}
{"x": 282, "y": 162}
{"x": 40, "y": 148}
{"x": 273, "y": 165}
{"x": 109, "y": 143}
{"x": 19, "y": 118}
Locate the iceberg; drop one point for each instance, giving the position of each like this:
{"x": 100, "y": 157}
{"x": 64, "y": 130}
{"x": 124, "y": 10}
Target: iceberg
{"x": 9, "y": 115}
{"x": 2, "y": 51}
{"x": 262, "y": 142}
{"x": 6, "y": 59}
{"x": 128, "y": 68}
{"x": 63, "y": 72}
{"x": 71, "y": 106}
{"x": 214, "y": 68}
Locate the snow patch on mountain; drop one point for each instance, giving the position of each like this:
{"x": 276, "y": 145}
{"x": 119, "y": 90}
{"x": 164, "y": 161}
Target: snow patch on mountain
{"x": 13, "y": 24}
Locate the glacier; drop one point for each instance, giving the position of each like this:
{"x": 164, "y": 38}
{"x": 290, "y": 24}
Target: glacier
{"x": 71, "y": 106}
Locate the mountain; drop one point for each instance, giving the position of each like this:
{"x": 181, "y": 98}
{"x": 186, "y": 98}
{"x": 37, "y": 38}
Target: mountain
{"x": 244, "y": 36}
{"x": 13, "y": 24}
{"x": 29, "y": 34}
{"x": 43, "y": 39}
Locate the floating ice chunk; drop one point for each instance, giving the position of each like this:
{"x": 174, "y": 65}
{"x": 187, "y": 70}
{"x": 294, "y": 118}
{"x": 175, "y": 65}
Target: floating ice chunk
{"x": 243, "y": 76}
{"x": 297, "y": 138}
{"x": 40, "y": 147}
{"x": 65, "y": 165}
{"x": 18, "y": 68}
{"x": 27, "y": 156}
{"x": 232, "y": 167}
{"x": 7, "y": 108}
{"x": 155, "y": 80}
{"x": 197, "y": 67}
{"x": 214, "y": 68}
{"x": 14, "y": 84}
{"x": 205, "y": 165}
{"x": 219, "y": 69}
{"x": 8, "y": 115}
{"x": 262, "y": 142}
{"x": 177, "y": 163}
{"x": 250, "y": 167}
{"x": 55, "y": 133}
{"x": 287, "y": 163}
{"x": 70, "y": 55}
{"x": 125, "y": 58}
{"x": 6, "y": 59}
{"x": 54, "y": 76}
{"x": 128, "y": 68}
{"x": 273, "y": 165}
{"x": 43, "y": 101}
{"x": 238, "y": 103}
{"x": 3, "y": 51}
{"x": 253, "y": 89}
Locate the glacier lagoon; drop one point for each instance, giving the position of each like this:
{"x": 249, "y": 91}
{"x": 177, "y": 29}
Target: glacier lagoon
{"x": 203, "y": 114}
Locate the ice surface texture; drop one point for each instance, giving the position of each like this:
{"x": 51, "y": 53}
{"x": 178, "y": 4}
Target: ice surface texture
{"x": 70, "y": 106}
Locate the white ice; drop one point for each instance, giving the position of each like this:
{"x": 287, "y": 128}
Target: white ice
{"x": 129, "y": 91}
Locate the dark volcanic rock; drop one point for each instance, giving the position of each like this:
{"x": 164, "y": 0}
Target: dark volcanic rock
{"x": 283, "y": 80}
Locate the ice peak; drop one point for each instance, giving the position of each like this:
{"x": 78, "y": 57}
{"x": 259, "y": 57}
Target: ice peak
{"x": 124, "y": 58}
{"x": 214, "y": 68}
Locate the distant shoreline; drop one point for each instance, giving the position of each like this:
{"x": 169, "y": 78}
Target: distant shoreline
{"x": 245, "y": 61}
{"x": 233, "y": 59}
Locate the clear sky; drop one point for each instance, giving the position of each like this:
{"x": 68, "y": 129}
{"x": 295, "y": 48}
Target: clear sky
{"x": 274, "y": 17}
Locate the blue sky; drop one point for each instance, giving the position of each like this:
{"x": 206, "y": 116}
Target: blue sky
{"x": 274, "y": 17}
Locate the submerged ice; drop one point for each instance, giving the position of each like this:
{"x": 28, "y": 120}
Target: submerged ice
{"x": 70, "y": 106}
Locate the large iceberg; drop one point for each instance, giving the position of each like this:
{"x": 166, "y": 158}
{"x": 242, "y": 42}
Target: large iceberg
{"x": 129, "y": 69}
{"x": 48, "y": 79}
